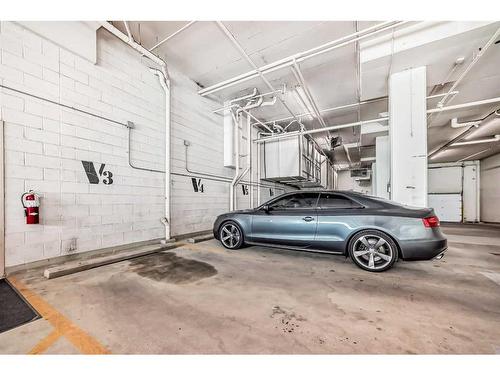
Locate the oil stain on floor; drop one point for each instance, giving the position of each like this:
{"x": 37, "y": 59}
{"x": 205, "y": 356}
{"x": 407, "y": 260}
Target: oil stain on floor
{"x": 171, "y": 268}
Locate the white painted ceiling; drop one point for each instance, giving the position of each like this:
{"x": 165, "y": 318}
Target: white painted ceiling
{"x": 206, "y": 55}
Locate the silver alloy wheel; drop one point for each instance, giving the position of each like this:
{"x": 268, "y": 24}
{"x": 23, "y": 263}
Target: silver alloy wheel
{"x": 230, "y": 235}
{"x": 373, "y": 251}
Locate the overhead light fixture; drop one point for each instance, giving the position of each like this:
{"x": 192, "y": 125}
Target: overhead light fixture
{"x": 301, "y": 98}
{"x": 495, "y": 138}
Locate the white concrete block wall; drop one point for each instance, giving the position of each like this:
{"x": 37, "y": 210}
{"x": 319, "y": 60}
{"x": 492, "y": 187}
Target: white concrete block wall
{"x": 45, "y": 144}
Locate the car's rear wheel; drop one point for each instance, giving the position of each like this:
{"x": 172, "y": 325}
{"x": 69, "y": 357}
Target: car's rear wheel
{"x": 373, "y": 250}
{"x": 231, "y": 235}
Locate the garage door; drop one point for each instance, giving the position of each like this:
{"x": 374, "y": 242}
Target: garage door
{"x": 445, "y": 180}
{"x": 448, "y": 207}
{"x": 445, "y": 192}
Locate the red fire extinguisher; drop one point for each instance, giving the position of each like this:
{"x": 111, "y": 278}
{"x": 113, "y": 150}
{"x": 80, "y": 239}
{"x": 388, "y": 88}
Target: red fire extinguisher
{"x": 31, "y": 203}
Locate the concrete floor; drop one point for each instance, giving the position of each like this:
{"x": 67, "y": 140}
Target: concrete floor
{"x": 202, "y": 298}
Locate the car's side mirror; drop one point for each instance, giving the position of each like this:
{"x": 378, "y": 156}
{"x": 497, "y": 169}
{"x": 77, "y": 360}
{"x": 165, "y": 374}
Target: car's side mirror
{"x": 266, "y": 208}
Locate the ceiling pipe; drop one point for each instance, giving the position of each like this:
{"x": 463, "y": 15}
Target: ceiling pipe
{"x": 130, "y": 41}
{"x": 495, "y": 138}
{"x": 300, "y": 78}
{"x": 464, "y": 105}
{"x": 236, "y": 140}
{"x": 269, "y": 102}
{"x": 470, "y": 66}
{"x": 166, "y": 85}
{"x": 171, "y": 36}
{"x": 257, "y": 121}
{"x": 251, "y": 105}
{"x": 385, "y": 118}
{"x": 314, "y": 131}
{"x": 474, "y": 154}
{"x": 250, "y": 96}
{"x": 128, "y": 30}
{"x": 266, "y": 81}
{"x": 250, "y": 61}
{"x": 332, "y": 109}
{"x": 302, "y": 56}
{"x": 460, "y": 136}
{"x": 455, "y": 124}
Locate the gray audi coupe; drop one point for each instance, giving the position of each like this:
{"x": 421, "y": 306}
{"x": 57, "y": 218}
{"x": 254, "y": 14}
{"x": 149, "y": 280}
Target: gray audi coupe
{"x": 374, "y": 232}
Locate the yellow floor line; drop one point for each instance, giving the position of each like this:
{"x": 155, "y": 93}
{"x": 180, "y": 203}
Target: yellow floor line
{"x": 80, "y": 339}
{"x": 45, "y": 343}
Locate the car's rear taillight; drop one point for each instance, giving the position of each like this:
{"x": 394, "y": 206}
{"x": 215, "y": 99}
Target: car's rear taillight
{"x": 431, "y": 221}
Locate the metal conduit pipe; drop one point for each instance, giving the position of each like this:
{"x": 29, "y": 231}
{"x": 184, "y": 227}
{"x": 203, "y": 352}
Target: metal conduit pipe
{"x": 166, "y": 85}
{"x": 334, "y": 127}
{"x": 469, "y": 67}
{"x": 301, "y": 56}
{"x": 249, "y": 157}
{"x": 300, "y": 78}
{"x": 130, "y": 127}
{"x": 249, "y": 96}
{"x": 63, "y": 105}
{"x": 258, "y": 169}
{"x": 381, "y": 119}
{"x": 250, "y": 61}
{"x": 346, "y": 106}
{"x": 236, "y": 142}
{"x": 171, "y": 35}
{"x": 242, "y": 109}
{"x": 465, "y": 105}
{"x": 128, "y": 29}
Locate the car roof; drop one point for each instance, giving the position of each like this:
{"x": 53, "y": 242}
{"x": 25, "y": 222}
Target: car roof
{"x": 364, "y": 199}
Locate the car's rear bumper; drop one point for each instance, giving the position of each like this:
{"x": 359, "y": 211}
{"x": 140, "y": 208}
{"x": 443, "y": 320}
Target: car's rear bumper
{"x": 423, "y": 250}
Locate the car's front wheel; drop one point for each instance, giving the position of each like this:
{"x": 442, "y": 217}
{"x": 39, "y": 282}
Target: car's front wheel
{"x": 231, "y": 235}
{"x": 373, "y": 250}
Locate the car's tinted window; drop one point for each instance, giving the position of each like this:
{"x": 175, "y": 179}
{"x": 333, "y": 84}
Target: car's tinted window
{"x": 330, "y": 200}
{"x": 301, "y": 200}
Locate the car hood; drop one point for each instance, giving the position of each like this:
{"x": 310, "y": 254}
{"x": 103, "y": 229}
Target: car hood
{"x": 247, "y": 211}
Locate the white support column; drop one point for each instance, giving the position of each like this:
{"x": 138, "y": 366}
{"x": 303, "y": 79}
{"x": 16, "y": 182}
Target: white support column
{"x": 382, "y": 166}
{"x": 408, "y": 136}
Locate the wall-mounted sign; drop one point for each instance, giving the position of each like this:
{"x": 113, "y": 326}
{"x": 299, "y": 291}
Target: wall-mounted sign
{"x": 97, "y": 176}
{"x": 271, "y": 192}
{"x": 244, "y": 188}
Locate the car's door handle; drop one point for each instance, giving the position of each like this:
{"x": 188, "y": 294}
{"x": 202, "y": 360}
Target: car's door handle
{"x": 308, "y": 218}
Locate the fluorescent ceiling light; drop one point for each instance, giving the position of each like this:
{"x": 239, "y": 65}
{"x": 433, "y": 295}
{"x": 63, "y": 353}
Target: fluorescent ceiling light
{"x": 301, "y": 98}
{"x": 496, "y": 138}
